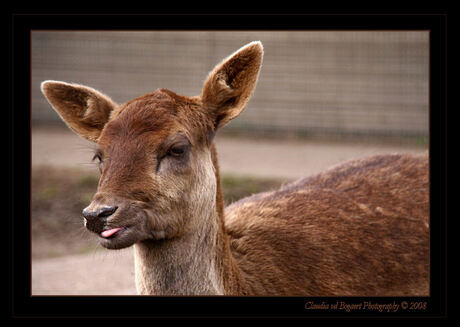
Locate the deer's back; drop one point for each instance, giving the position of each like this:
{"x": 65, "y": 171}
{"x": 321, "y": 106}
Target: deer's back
{"x": 361, "y": 228}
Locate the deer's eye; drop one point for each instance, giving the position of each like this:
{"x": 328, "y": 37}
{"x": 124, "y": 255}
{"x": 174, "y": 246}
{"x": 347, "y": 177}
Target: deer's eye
{"x": 177, "y": 151}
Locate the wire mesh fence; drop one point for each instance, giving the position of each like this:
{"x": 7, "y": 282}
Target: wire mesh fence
{"x": 336, "y": 83}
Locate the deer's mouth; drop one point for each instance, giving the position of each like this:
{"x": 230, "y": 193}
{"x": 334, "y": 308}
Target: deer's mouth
{"x": 121, "y": 233}
{"x": 112, "y": 232}
{"x": 117, "y": 238}
{"x": 127, "y": 226}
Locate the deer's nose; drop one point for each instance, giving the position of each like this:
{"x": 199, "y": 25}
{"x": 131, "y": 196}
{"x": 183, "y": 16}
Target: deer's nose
{"x": 93, "y": 213}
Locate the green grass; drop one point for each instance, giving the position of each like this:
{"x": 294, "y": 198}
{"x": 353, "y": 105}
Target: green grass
{"x": 49, "y": 192}
{"x": 237, "y": 187}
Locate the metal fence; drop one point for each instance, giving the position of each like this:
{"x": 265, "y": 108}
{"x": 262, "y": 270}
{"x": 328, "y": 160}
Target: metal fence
{"x": 370, "y": 83}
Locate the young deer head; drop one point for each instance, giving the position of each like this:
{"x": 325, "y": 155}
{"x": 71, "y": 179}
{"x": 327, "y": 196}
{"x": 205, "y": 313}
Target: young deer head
{"x": 158, "y": 179}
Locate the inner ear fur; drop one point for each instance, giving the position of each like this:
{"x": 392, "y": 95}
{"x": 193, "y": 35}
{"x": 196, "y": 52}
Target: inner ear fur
{"x": 230, "y": 85}
{"x": 84, "y": 109}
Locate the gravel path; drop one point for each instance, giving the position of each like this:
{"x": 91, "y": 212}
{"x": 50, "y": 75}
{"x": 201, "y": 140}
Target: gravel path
{"x": 101, "y": 272}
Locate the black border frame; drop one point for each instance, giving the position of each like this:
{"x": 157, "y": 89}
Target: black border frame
{"x": 23, "y": 305}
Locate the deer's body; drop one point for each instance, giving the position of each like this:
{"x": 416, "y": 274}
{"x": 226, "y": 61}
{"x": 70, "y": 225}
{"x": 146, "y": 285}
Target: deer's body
{"x": 337, "y": 233}
{"x": 361, "y": 228}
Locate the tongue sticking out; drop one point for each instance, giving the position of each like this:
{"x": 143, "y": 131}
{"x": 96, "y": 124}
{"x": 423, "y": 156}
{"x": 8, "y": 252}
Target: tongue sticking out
{"x": 110, "y": 232}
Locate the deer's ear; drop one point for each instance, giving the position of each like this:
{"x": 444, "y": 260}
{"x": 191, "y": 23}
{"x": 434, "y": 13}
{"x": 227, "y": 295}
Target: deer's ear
{"x": 83, "y": 109}
{"x": 230, "y": 84}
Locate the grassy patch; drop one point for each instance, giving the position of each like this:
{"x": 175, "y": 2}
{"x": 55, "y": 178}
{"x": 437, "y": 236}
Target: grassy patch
{"x": 58, "y": 197}
{"x": 49, "y": 192}
{"x": 237, "y": 187}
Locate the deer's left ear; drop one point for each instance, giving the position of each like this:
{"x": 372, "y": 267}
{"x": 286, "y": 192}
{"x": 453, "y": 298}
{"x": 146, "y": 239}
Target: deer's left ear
{"x": 84, "y": 109}
{"x": 230, "y": 84}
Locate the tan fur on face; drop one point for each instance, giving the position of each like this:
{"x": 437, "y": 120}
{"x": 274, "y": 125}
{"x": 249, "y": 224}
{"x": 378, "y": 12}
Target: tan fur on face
{"x": 158, "y": 270}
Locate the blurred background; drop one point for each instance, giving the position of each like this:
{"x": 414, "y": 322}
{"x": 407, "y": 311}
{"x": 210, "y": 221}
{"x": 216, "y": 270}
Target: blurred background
{"x": 323, "y": 97}
{"x": 312, "y": 83}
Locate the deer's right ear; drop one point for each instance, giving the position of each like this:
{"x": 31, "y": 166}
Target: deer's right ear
{"x": 230, "y": 85}
{"x": 83, "y": 109}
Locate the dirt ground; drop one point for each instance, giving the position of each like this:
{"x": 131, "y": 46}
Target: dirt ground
{"x": 103, "y": 272}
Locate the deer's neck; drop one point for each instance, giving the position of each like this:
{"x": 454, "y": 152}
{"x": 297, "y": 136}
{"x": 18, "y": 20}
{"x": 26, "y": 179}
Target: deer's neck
{"x": 196, "y": 263}
{"x": 179, "y": 266}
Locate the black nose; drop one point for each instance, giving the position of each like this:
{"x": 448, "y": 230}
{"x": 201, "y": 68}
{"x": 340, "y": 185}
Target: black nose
{"x": 99, "y": 212}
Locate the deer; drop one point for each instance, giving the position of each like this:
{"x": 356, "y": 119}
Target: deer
{"x": 360, "y": 228}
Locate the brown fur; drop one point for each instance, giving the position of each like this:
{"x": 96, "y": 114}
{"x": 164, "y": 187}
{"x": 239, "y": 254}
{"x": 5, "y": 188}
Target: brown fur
{"x": 361, "y": 228}
{"x": 84, "y": 109}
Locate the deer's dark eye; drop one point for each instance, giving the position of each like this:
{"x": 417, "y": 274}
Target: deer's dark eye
{"x": 177, "y": 151}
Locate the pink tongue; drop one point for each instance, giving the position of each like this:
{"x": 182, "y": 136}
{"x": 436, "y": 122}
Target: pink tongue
{"x": 110, "y": 232}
